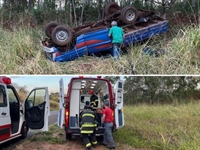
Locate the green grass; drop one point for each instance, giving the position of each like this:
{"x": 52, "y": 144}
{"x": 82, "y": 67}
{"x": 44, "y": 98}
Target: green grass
{"x": 153, "y": 127}
{"x": 165, "y": 127}
{"x": 21, "y": 53}
{"x": 54, "y": 135}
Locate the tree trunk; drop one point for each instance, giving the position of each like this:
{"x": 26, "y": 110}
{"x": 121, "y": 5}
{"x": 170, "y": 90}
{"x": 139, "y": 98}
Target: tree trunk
{"x": 45, "y": 4}
{"x": 81, "y": 20}
{"x": 24, "y": 4}
{"x": 99, "y": 9}
{"x": 31, "y": 4}
{"x": 74, "y": 11}
{"x": 53, "y": 4}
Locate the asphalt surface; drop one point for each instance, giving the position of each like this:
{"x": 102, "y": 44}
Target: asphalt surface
{"x": 11, "y": 144}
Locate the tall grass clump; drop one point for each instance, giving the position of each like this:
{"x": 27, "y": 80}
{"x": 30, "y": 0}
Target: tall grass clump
{"x": 21, "y": 53}
{"x": 181, "y": 54}
{"x": 161, "y": 127}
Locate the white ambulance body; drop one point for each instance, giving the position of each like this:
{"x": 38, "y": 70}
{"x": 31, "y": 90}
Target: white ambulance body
{"x": 71, "y": 105}
{"x": 16, "y": 121}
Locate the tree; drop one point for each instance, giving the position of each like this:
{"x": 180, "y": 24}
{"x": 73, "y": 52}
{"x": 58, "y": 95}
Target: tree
{"x": 21, "y": 90}
{"x": 54, "y": 97}
{"x": 163, "y": 89}
{"x": 112, "y": 79}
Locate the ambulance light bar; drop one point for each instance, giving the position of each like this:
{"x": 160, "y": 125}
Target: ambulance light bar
{"x": 7, "y": 80}
{"x": 99, "y": 77}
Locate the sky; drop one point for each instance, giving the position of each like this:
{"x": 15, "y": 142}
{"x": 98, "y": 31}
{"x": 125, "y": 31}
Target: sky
{"x": 50, "y": 81}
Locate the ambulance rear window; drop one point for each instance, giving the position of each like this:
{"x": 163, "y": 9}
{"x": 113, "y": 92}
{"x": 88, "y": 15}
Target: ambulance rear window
{"x": 3, "y": 101}
{"x": 120, "y": 85}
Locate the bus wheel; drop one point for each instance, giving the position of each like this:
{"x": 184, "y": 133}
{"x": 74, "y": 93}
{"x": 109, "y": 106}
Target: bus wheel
{"x": 111, "y": 8}
{"x": 62, "y": 35}
{"x": 24, "y": 131}
{"x": 49, "y": 28}
{"x": 129, "y": 14}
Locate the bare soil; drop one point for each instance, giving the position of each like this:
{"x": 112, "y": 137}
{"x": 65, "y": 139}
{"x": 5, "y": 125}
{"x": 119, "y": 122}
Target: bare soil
{"x": 55, "y": 139}
{"x": 74, "y": 144}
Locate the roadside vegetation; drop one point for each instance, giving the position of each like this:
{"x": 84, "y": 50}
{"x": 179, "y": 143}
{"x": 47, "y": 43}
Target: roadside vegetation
{"x": 147, "y": 127}
{"x": 161, "y": 127}
{"x": 22, "y": 31}
{"x": 23, "y": 91}
{"x": 21, "y": 53}
{"x": 54, "y": 135}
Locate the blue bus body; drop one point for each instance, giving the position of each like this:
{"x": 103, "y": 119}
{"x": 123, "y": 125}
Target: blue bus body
{"x": 99, "y": 41}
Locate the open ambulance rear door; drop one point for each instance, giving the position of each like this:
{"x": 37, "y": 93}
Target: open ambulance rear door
{"x": 119, "y": 115}
{"x": 37, "y": 109}
{"x": 61, "y": 102}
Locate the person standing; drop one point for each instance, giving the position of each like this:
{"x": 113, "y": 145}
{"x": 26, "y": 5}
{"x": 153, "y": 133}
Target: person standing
{"x": 117, "y": 35}
{"x": 88, "y": 126}
{"x": 93, "y": 100}
{"x": 108, "y": 124}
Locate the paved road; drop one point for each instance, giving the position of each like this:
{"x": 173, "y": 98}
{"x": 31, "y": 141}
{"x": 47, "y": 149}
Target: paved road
{"x": 53, "y": 117}
{"x": 11, "y": 144}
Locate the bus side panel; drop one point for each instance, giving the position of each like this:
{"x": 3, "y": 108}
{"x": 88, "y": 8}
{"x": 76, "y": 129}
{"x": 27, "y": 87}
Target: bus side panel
{"x": 5, "y": 132}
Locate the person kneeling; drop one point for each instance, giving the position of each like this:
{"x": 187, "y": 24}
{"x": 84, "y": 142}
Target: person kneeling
{"x": 88, "y": 127}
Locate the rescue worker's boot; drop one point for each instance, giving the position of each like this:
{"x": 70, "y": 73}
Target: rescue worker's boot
{"x": 89, "y": 148}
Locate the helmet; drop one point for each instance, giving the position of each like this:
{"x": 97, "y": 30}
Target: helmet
{"x": 113, "y": 23}
{"x": 91, "y": 92}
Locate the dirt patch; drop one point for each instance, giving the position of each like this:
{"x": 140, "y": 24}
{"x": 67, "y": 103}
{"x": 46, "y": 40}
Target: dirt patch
{"x": 75, "y": 144}
{"x": 55, "y": 139}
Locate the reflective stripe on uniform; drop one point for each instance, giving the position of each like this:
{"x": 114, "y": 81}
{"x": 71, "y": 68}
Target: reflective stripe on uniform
{"x": 88, "y": 145}
{"x": 94, "y": 102}
{"x": 87, "y": 131}
{"x": 91, "y": 103}
{"x": 94, "y": 142}
{"x": 88, "y": 125}
{"x": 88, "y": 115}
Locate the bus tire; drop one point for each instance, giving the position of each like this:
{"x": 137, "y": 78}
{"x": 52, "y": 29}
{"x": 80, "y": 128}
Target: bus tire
{"x": 49, "y": 28}
{"x": 129, "y": 14}
{"x": 62, "y": 35}
{"x": 24, "y": 131}
{"x": 111, "y": 8}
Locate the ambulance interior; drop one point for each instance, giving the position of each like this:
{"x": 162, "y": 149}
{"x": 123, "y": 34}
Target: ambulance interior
{"x": 80, "y": 95}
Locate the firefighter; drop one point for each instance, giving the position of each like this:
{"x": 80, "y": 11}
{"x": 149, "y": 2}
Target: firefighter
{"x": 88, "y": 127}
{"x": 93, "y": 101}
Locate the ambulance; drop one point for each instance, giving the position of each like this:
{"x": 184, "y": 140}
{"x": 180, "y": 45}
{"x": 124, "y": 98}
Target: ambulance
{"x": 16, "y": 119}
{"x": 73, "y": 102}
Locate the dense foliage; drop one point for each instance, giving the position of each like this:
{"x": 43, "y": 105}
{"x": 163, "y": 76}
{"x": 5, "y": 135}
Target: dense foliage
{"x": 76, "y": 12}
{"x": 161, "y": 89}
